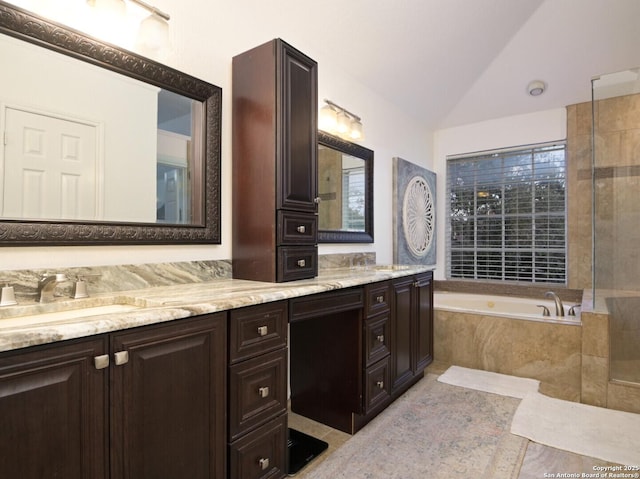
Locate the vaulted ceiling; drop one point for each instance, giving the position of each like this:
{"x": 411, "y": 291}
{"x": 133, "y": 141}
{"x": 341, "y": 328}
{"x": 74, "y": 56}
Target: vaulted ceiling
{"x": 452, "y": 62}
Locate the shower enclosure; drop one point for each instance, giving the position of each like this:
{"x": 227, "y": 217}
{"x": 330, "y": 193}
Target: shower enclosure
{"x": 616, "y": 215}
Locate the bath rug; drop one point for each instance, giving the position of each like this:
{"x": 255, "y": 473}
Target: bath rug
{"x": 592, "y": 431}
{"x": 489, "y": 382}
{"x": 433, "y": 431}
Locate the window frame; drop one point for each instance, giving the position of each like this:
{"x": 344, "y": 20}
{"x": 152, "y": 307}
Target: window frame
{"x": 510, "y": 262}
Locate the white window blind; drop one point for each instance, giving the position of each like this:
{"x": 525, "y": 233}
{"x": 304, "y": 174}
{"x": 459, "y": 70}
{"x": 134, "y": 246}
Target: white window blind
{"x": 507, "y": 216}
{"x": 353, "y": 198}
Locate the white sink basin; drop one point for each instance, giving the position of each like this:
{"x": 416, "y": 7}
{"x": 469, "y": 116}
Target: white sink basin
{"x": 70, "y": 314}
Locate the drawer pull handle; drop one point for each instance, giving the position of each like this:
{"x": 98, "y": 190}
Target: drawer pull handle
{"x": 380, "y": 338}
{"x": 263, "y": 330}
{"x": 380, "y": 384}
{"x": 302, "y": 263}
{"x": 263, "y": 392}
{"x": 301, "y": 229}
{"x": 263, "y": 462}
{"x": 121, "y": 357}
{"x": 101, "y": 362}
{"x": 380, "y": 299}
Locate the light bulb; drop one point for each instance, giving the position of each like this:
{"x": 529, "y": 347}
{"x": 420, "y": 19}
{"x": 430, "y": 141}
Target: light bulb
{"x": 328, "y": 120}
{"x": 356, "y": 130}
{"x": 153, "y": 35}
{"x": 344, "y": 123}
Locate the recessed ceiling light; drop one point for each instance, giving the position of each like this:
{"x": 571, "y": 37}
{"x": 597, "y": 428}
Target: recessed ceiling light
{"x": 536, "y": 88}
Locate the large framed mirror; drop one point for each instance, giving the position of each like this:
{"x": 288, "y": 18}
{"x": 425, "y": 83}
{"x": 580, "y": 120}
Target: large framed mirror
{"x": 101, "y": 145}
{"x": 345, "y": 188}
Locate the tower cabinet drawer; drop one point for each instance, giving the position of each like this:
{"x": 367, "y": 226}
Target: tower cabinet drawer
{"x": 258, "y": 391}
{"x": 257, "y": 329}
{"x": 297, "y": 262}
{"x": 297, "y": 228}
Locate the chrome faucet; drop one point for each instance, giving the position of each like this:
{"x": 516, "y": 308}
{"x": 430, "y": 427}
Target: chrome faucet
{"x": 559, "y": 306}
{"x": 47, "y": 285}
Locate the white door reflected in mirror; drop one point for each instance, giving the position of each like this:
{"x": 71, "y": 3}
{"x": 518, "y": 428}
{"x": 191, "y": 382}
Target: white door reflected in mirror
{"x": 50, "y": 167}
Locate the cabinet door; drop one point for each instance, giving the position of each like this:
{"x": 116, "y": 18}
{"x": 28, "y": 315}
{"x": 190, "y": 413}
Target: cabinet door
{"x": 297, "y": 119}
{"x": 424, "y": 321}
{"x": 53, "y": 412}
{"x": 402, "y": 365}
{"x": 168, "y": 400}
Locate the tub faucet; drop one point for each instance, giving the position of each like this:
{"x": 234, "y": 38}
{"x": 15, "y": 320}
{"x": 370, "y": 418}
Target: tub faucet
{"x": 47, "y": 285}
{"x": 559, "y": 306}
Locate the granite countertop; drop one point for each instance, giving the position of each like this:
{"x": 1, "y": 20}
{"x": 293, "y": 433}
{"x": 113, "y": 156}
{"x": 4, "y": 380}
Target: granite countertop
{"x": 109, "y": 312}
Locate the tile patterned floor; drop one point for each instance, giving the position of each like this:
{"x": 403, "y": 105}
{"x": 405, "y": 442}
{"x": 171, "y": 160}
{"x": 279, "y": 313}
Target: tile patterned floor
{"x": 538, "y": 462}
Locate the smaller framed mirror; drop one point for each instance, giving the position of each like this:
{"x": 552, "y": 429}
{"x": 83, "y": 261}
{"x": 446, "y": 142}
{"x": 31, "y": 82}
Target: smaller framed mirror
{"x": 345, "y": 188}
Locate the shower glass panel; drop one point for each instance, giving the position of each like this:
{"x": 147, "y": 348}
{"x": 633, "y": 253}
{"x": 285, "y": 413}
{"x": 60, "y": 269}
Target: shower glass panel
{"x": 616, "y": 215}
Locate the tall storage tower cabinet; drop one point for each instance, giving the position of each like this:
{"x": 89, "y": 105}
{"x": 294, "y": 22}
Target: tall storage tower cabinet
{"x": 275, "y": 103}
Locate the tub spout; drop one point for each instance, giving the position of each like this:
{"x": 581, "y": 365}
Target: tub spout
{"x": 559, "y": 306}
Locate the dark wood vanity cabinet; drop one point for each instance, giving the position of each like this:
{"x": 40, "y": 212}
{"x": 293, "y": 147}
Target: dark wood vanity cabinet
{"x": 54, "y": 412}
{"x": 411, "y": 330}
{"x": 257, "y": 420}
{"x": 206, "y": 396}
{"x": 274, "y": 164}
{"x": 167, "y": 400}
{"x": 356, "y": 350}
{"x": 144, "y": 403}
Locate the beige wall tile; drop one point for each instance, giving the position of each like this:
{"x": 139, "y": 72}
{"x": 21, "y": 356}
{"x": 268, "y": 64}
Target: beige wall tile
{"x": 595, "y": 376}
{"x": 544, "y": 351}
{"x": 623, "y": 397}
{"x": 595, "y": 334}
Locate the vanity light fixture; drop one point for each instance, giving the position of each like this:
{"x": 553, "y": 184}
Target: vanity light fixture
{"x": 154, "y": 10}
{"x": 338, "y": 121}
{"x": 153, "y": 30}
{"x": 153, "y": 35}
{"x": 536, "y": 88}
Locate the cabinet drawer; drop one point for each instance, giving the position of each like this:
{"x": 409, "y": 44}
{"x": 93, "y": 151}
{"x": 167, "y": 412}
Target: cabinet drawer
{"x": 325, "y": 304}
{"x": 257, "y": 329}
{"x": 262, "y": 453}
{"x": 377, "y": 387}
{"x": 257, "y": 391}
{"x": 378, "y": 296}
{"x": 376, "y": 338}
{"x": 297, "y": 228}
{"x": 297, "y": 262}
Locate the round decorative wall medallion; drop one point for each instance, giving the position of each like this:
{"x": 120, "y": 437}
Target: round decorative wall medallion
{"x": 418, "y": 216}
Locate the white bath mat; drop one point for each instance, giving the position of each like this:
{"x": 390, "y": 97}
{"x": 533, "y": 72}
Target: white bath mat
{"x": 489, "y": 382}
{"x": 591, "y": 431}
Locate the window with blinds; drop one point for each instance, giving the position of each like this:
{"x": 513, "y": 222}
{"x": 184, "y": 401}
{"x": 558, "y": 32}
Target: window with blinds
{"x": 353, "y": 197}
{"x": 507, "y": 215}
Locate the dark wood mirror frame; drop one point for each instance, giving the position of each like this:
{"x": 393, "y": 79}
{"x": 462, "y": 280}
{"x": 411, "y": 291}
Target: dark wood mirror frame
{"x": 26, "y": 26}
{"x": 358, "y": 151}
